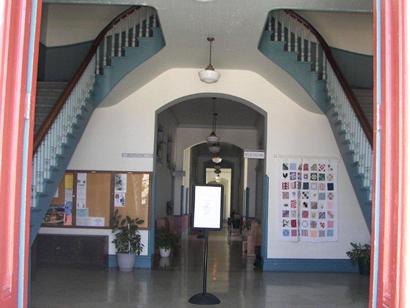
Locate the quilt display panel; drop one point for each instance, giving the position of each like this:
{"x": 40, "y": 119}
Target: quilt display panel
{"x": 308, "y": 199}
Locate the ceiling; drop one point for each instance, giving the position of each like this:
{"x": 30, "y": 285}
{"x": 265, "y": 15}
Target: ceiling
{"x": 198, "y": 113}
{"x": 236, "y": 25}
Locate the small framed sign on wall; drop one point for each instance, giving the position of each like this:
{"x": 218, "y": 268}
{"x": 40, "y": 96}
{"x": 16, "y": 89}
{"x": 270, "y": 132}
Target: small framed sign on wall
{"x": 208, "y": 207}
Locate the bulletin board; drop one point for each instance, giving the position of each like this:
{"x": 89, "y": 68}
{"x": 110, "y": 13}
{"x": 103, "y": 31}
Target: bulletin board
{"x": 136, "y": 195}
{"x": 89, "y": 198}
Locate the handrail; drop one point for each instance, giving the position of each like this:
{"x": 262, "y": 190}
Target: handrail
{"x": 345, "y": 86}
{"x": 70, "y": 86}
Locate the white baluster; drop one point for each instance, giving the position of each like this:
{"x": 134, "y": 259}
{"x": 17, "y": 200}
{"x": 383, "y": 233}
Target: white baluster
{"x": 302, "y": 43}
{"x": 112, "y": 43}
{"x": 317, "y": 56}
{"x": 140, "y": 22}
{"x": 97, "y": 60}
{"x": 289, "y": 44}
{"x": 105, "y": 50}
{"x": 269, "y": 25}
{"x": 276, "y": 26}
{"x": 147, "y": 22}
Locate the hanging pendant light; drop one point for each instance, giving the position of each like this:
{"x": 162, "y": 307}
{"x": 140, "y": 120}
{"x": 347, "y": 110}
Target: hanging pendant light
{"x": 216, "y": 159}
{"x": 213, "y": 138}
{"x": 209, "y": 75}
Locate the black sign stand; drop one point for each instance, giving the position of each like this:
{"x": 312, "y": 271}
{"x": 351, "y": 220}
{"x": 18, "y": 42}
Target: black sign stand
{"x": 204, "y": 298}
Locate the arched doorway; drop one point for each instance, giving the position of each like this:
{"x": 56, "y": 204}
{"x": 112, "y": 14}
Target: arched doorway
{"x": 183, "y": 159}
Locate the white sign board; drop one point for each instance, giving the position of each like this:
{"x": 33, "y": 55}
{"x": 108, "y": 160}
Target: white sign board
{"x": 254, "y": 154}
{"x": 208, "y": 207}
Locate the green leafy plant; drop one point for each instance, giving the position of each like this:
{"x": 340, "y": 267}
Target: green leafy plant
{"x": 127, "y": 237}
{"x": 166, "y": 239}
{"x": 359, "y": 252}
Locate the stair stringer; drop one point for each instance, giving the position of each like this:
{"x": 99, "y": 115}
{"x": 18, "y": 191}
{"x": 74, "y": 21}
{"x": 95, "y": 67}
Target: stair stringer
{"x": 120, "y": 67}
{"x": 316, "y": 88}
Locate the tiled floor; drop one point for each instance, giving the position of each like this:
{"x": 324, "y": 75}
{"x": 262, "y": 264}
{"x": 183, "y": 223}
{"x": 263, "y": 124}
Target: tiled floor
{"x": 170, "y": 284}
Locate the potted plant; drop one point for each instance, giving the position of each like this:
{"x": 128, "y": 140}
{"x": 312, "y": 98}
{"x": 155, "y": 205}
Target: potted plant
{"x": 360, "y": 254}
{"x": 165, "y": 240}
{"x": 127, "y": 240}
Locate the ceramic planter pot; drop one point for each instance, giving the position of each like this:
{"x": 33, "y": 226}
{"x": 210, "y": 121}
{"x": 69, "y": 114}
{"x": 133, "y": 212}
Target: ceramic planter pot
{"x": 164, "y": 252}
{"x": 364, "y": 267}
{"x": 126, "y": 261}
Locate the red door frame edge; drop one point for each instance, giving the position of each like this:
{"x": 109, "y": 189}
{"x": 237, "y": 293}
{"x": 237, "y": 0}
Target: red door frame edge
{"x": 392, "y": 270}
{"x": 14, "y": 51}
{"x": 34, "y": 34}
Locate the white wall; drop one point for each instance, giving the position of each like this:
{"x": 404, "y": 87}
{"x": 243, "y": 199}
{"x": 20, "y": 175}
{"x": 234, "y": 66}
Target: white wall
{"x": 348, "y": 31}
{"x": 128, "y": 126}
{"x": 65, "y": 24}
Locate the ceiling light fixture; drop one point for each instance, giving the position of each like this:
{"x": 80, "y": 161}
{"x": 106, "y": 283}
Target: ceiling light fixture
{"x": 216, "y": 159}
{"x": 213, "y": 139}
{"x": 209, "y": 75}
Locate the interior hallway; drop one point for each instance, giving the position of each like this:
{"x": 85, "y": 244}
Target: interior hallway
{"x": 170, "y": 284}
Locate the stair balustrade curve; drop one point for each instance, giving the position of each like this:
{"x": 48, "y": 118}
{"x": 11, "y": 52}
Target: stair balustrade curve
{"x": 310, "y": 61}
{"x": 57, "y": 137}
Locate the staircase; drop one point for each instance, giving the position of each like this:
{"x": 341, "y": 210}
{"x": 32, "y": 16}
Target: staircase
{"x": 365, "y": 99}
{"x": 48, "y": 93}
{"x": 126, "y": 42}
{"x": 293, "y": 44}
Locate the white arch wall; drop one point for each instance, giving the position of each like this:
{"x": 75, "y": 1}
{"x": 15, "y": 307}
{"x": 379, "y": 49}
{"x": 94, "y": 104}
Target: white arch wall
{"x": 128, "y": 126}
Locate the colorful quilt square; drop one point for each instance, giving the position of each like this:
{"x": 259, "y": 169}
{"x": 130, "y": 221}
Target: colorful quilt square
{"x": 305, "y": 214}
{"x": 285, "y": 213}
{"x": 293, "y": 214}
{"x": 313, "y": 167}
{"x": 285, "y": 195}
{"x": 305, "y": 185}
{"x": 285, "y": 232}
{"x": 322, "y": 196}
{"x": 305, "y": 233}
{"x": 330, "y": 177}
{"x": 322, "y": 186}
{"x": 313, "y": 205}
{"x": 285, "y": 185}
{"x": 285, "y": 175}
{"x": 330, "y": 186}
{"x": 305, "y": 224}
{"x": 285, "y": 166}
{"x": 330, "y": 214}
{"x": 314, "y": 195}
{"x": 322, "y": 215}
{"x": 293, "y": 204}
{"x": 305, "y": 204}
{"x": 330, "y": 196}
{"x": 293, "y": 223}
{"x": 313, "y": 224}
{"x": 285, "y": 223}
{"x": 292, "y": 176}
{"x": 313, "y": 186}
{"x": 330, "y": 232}
{"x": 306, "y": 176}
{"x": 313, "y": 176}
{"x": 305, "y": 195}
{"x": 322, "y": 177}
{"x": 330, "y": 224}
{"x": 313, "y": 233}
{"x": 294, "y": 232}
{"x": 322, "y": 233}
{"x": 305, "y": 167}
{"x": 292, "y": 166}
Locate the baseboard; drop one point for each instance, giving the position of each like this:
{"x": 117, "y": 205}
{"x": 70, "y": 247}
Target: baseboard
{"x": 140, "y": 261}
{"x": 309, "y": 265}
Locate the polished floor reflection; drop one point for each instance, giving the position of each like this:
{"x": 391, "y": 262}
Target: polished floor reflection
{"x": 170, "y": 284}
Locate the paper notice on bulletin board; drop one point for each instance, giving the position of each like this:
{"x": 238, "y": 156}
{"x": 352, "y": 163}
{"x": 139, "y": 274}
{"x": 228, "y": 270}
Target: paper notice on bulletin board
{"x": 119, "y": 199}
{"x": 120, "y": 182}
{"x": 81, "y": 190}
{"x": 145, "y": 189}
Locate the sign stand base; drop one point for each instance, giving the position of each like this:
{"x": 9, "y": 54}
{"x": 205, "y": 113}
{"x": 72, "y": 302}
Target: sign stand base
{"x": 204, "y": 298}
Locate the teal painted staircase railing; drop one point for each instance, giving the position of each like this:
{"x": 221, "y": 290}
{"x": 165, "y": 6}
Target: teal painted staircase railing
{"x": 294, "y": 45}
{"x": 126, "y": 42}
